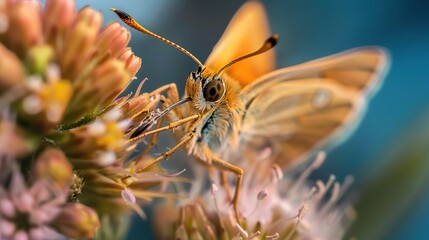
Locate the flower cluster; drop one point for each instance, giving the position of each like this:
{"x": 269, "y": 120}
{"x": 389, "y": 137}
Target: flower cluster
{"x": 64, "y": 125}
{"x": 38, "y": 208}
{"x": 271, "y": 207}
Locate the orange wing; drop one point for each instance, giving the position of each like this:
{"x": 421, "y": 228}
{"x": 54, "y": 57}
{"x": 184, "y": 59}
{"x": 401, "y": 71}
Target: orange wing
{"x": 246, "y": 32}
{"x": 310, "y": 106}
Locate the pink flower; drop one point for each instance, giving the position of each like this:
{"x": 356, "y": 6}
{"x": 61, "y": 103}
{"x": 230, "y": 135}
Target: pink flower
{"x": 26, "y": 212}
{"x": 271, "y": 207}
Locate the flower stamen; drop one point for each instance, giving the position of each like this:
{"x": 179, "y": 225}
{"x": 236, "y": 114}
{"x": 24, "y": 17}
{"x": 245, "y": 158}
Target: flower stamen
{"x": 275, "y": 236}
{"x": 320, "y": 158}
{"x": 172, "y": 174}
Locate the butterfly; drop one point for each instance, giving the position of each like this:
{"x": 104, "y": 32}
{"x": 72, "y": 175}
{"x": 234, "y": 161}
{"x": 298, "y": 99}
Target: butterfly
{"x": 237, "y": 100}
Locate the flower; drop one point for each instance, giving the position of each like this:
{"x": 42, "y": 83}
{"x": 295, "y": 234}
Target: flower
{"x": 61, "y": 75}
{"x": 26, "y": 212}
{"x": 53, "y": 165}
{"x": 59, "y": 79}
{"x": 38, "y": 208}
{"x": 76, "y": 221}
{"x": 40, "y": 211}
{"x": 271, "y": 207}
{"x": 115, "y": 190}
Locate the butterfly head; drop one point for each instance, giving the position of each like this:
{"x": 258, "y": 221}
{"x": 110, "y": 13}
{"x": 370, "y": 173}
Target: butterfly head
{"x": 205, "y": 88}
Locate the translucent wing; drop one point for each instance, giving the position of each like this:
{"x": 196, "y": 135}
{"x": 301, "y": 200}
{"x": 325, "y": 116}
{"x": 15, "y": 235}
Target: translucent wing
{"x": 246, "y": 32}
{"x": 301, "y": 108}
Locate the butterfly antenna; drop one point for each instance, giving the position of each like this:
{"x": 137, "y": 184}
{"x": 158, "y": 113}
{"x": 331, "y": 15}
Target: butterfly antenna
{"x": 268, "y": 44}
{"x": 130, "y": 21}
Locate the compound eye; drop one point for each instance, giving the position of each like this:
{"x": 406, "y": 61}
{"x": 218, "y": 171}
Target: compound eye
{"x": 214, "y": 90}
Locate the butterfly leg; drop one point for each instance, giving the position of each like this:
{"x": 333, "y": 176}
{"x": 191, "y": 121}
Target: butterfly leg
{"x": 167, "y": 154}
{"x": 225, "y": 184}
{"x": 152, "y": 142}
{"x": 174, "y": 114}
{"x": 170, "y": 88}
{"x": 239, "y": 172}
{"x": 165, "y": 128}
{"x": 172, "y": 94}
{"x": 153, "y": 139}
{"x": 172, "y": 97}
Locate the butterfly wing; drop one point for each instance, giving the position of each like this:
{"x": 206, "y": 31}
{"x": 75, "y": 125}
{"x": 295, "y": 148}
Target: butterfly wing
{"x": 305, "y": 107}
{"x": 246, "y": 32}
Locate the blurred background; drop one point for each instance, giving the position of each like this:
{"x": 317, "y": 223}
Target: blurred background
{"x": 388, "y": 154}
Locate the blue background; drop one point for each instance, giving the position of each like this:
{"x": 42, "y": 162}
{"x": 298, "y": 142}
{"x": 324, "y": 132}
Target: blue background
{"x": 397, "y": 116}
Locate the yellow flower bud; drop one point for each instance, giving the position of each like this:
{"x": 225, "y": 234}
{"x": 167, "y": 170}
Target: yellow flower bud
{"x": 77, "y": 221}
{"x": 58, "y": 16}
{"x": 54, "y": 165}
{"x": 80, "y": 41}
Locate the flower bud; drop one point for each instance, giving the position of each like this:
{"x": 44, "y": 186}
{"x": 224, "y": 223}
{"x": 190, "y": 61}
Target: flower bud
{"x": 100, "y": 88}
{"x": 113, "y": 39}
{"x": 58, "y": 16}
{"x": 81, "y": 40}
{"x": 54, "y": 165}
{"x": 11, "y": 69}
{"x": 26, "y": 30}
{"x": 111, "y": 78}
{"x": 77, "y": 221}
{"x": 135, "y": 106}
{"x": 132, "y": 63}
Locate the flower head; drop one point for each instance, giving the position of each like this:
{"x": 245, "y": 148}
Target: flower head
{"x": 36, "y": 208}
{"x": 61, "y": 75}
{"x": 26, "y": 212}
{"x": 270, "y": 207}
{"x": 62, "y": 66}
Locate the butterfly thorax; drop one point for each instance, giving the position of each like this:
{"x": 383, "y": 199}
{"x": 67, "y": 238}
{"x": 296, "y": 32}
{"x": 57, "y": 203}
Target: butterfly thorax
{"x": 216, "y": 99}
